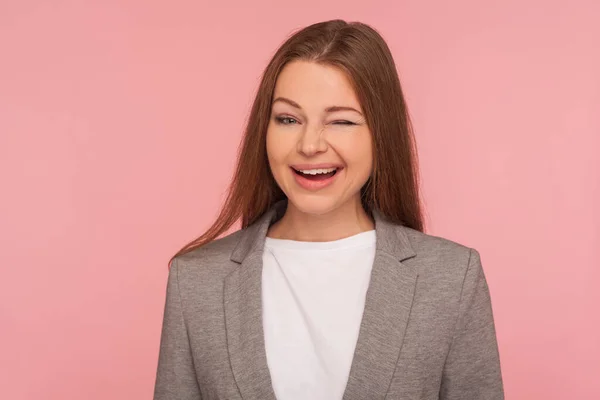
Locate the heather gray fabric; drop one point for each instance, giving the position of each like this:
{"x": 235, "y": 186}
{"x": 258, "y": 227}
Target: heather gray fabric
{"x": 427, "y": 330}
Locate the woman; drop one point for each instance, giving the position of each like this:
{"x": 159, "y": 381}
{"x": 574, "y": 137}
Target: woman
{"x": 331, "y": 289}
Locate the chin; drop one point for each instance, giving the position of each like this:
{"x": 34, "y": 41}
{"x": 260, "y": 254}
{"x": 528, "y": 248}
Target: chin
{"x": 314, "y": 204}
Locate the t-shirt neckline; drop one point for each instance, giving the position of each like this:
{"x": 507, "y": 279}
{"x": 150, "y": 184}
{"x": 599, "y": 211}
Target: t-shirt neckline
{"x": 362, "y": 239}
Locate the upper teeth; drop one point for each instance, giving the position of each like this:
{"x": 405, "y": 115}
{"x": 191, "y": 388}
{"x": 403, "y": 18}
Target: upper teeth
{"x": 317, "y": 171}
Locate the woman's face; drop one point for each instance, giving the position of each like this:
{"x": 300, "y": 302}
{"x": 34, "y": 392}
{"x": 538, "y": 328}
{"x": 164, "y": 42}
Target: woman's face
{"x": 318, "y": 143}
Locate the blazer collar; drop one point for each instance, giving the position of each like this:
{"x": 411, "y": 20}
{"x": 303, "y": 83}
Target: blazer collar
{"x": 387, "y": 307}
{"x": 391, "y": 238}
{"x": 252, "y": 239}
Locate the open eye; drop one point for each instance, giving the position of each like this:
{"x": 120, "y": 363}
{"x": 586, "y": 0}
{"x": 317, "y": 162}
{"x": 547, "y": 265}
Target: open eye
{"x": 286, "y": 120}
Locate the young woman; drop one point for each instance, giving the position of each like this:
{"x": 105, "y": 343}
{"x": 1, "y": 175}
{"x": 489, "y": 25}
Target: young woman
{"x": 331, "y": 289}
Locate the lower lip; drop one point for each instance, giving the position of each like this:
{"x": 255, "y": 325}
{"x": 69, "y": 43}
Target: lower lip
{"x": 309, "y": 184}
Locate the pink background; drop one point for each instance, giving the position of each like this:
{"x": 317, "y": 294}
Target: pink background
{"x": 119, "y": 123}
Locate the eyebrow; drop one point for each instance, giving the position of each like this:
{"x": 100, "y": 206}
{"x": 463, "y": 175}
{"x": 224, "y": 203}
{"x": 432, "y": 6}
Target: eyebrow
{"x": 328, "y": 109}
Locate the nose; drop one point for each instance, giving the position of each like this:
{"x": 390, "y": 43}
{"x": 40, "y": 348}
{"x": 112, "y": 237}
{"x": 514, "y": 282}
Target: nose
{"x": 312, "y": 141}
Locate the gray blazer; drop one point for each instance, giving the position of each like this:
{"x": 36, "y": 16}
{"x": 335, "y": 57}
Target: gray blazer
{"x": 427, "y": 330}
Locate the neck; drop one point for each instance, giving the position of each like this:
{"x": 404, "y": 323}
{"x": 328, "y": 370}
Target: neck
{"x": 347, "y": 220}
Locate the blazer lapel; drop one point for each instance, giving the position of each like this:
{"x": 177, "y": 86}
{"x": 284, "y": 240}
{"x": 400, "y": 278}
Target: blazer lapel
{"x": 387, "y": 309}
{"x": 243, "y": 312}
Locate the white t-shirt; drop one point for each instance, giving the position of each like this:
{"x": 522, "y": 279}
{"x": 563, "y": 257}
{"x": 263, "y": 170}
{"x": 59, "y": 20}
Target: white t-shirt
{"x": 313, "y": 296}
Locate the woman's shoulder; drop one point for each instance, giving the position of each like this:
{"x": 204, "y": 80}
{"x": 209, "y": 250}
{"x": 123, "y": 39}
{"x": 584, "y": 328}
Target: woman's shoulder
{"x": 439, "y": 255}
{"x": 211, "y": 260}
{"x": 430, "y": 243}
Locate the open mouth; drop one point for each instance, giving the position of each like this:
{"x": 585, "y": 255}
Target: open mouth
{"x": 317, "y": 174}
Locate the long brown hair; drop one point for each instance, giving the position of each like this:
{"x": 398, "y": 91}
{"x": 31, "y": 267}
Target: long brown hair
{"x": 359, "y": 51}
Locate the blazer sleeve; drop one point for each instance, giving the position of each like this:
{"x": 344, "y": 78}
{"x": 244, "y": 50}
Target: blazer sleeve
{"x": 175, "y": 378}
{"x": 472, "y": 368}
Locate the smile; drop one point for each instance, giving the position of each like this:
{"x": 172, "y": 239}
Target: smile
{"x": 315, "y": 178}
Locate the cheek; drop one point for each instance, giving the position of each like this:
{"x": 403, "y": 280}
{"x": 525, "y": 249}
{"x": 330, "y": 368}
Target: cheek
{"x": 357, "y": 153}
{"x": 362, "y": 167}
{"x": 272, "y": 148}
{"x": 277, "y": 150}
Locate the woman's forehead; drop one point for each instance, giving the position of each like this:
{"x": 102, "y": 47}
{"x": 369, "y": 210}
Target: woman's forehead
{"x": 310, "y": 83}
